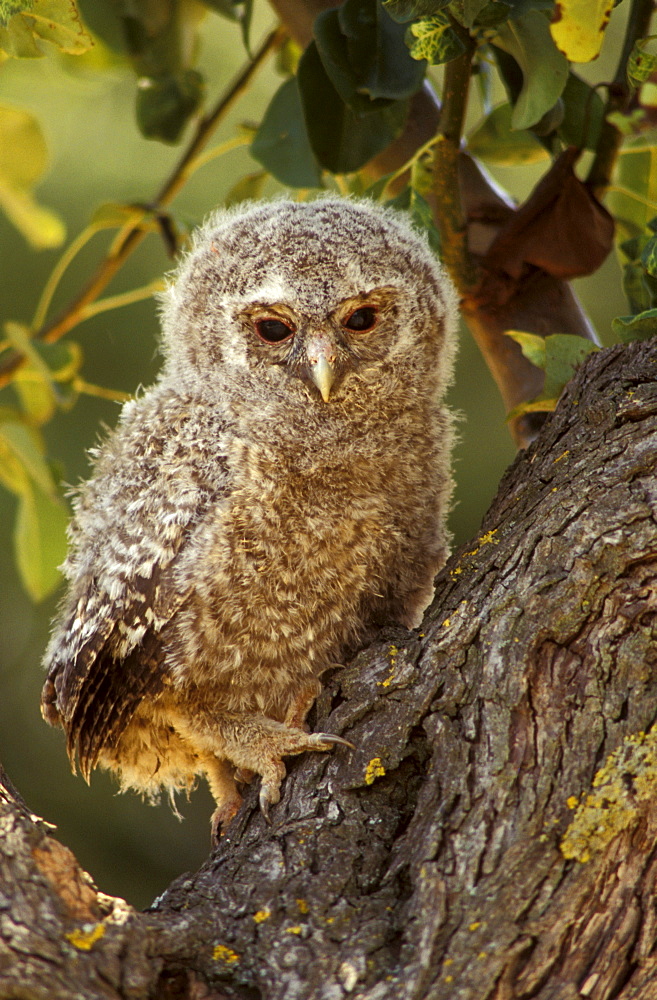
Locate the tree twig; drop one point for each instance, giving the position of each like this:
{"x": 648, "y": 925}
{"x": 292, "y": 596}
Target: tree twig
{"x": 451, "y": 219}
{"x": 619, "y": 95}
{"x": 77, "y": 310}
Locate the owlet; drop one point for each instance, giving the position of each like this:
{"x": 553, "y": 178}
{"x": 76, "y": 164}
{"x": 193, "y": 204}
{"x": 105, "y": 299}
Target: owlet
{"x": 265, "y": 507}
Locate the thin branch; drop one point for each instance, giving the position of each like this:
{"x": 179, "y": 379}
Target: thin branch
{"x": 609, "y": 143}
{"x": 119, "y": 253}
{"x": 451, "y": 219}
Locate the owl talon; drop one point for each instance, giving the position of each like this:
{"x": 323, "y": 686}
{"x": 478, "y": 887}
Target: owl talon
{"x": 329, "y": 738}
{"x": 269, "y": 796}
{"x": 222, "y": 817}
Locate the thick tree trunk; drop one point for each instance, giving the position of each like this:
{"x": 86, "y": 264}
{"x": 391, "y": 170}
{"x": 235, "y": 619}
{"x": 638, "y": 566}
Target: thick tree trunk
{"x": 493, "y": 834}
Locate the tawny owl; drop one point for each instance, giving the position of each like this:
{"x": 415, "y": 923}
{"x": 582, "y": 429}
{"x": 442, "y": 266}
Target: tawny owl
{"x": 276, "y": 496}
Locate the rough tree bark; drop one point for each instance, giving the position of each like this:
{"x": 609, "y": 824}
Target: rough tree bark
{"x": 493, "y": 835}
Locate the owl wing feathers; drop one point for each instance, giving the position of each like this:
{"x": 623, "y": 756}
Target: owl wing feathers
{"x": 108, "y": 652}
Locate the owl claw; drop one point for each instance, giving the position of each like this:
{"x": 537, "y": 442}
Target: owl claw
{"x": 329, "y": 738}
{"x": 269, "y": 796}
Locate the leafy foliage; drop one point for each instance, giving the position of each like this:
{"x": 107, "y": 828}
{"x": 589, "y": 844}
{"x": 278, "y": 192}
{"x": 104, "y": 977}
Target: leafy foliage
{"x": 340, "y": 103}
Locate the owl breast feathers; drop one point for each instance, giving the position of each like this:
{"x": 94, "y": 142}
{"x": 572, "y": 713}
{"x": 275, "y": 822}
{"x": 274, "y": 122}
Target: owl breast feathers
{"x": 277, "y": 495}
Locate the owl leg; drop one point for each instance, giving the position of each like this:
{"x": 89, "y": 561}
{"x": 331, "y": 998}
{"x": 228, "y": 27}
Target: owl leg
{"x": 220, "y": 777}
{"x": 301, "y": 704}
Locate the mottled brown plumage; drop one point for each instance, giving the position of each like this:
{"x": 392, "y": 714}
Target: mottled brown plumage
{"x": 277, "y": 495}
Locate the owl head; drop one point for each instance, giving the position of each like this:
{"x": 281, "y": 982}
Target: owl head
{"x": 311, "y": 301}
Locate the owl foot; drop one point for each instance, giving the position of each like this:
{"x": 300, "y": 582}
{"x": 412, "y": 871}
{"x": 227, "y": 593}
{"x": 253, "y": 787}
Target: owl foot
{"x": 273, "y": 770}
{"x": 222, "y": 817}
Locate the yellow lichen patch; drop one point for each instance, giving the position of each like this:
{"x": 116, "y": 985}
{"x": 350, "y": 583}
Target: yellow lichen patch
{"x": 85, "y": 938}
{"x": 562, "y": 455}
{"x": 489, "y": 539}
{"x": 303, "y": 906}
{"x": 572, "y": 801}
{"x": 627, "y": 779}
{"x": 294, "y": 930}
{"x": 455, "y": 572}
{"x": 374, "y": 769}
{"x": 474, "y": 925}
{"x": 221, "y": 953}
{"x": 447, "y": 623}
{"x": 261, "y": 915}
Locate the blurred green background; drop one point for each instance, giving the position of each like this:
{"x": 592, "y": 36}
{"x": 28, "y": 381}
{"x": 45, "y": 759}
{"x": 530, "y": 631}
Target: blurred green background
{"x": 97, "y": 155}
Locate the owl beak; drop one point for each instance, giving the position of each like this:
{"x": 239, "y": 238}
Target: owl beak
{"x": 321, "y": 361}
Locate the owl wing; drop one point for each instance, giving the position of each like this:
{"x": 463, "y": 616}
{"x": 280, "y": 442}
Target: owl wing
{"x": 132, "y": 525}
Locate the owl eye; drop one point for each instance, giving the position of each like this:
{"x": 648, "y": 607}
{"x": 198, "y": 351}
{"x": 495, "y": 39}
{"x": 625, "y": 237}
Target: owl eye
{"x": 273, "y": 331}
{"x": 361, "y": 320}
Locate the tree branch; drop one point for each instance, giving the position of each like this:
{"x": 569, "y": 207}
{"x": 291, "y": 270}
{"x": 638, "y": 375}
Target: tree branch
{"x": 492, "y": 836}
{"x": 619, "y": 95}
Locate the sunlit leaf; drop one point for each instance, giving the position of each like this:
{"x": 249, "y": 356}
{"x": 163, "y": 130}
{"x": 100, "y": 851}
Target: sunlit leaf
{"x": 40, "y": 542}
{"x": 23, "y": 160}
{"x": 496, "y": 142}
{"x": 559, "y": 355}
{"x": 649, "y": 256}
{"x": 434, "y": 39}
{"x": 17, "y": 39}
{"x": 26, "y": 445}
{"x": 40, "y": 226}
{"x": 578, "y": 27}
{"x": 23, "y": 151}
{"x": 281, "y": 144}
{"x": 248, "y": 188}
{"x": 642, "y": 62}
{"x": 544, "y": 69}
{"x": 112, "y": 215}
{"x": 634, "y": 192}
{"x": 641, "y": 327}
{"x": 55, "y": 21}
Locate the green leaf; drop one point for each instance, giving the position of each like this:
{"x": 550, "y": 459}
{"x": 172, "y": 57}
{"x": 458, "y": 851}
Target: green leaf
{"x": 649, "y": 256}
{"x": 641, "y": 327}
{"x": 531, "y": 345}
{"x": 583, "y": 114}
{"x": 641, "y": 63}
{"x": 487, "y": 14}
{"x": 559, "y": 354}
{"x": 248, "y": 188}
{"x": 240, "y": 11}
{"x": 281, "y": 143}
{"x": 341, "y": 140}
{"x": 25, "y": 445}
{"x": 23, "y": 160}
{"x": 496, "y": 142}
{"x": 166, "y": 103}
{"x": 544, "y": 69}
{"x": 578, "y": 27}
{"x": 40, "y": 542}
{"x": 410, "y": 10}
{"x": 636, "y": 172}
{"x": 55, "y": 21}
{"x": 434, "y": 39}
{"x": 364, "y": 54}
